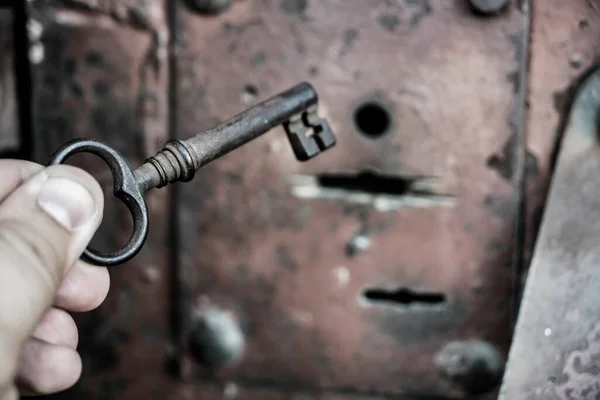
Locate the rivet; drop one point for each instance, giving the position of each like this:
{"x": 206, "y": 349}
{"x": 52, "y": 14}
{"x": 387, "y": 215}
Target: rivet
{"x": 359, "y": 243}
{"x": 217, "y": 340}
{"x": 488, "y": 7}
{"x": 150, "y": 274}
{"x": 474, "y": 365}
{"x": 576, "y": 60}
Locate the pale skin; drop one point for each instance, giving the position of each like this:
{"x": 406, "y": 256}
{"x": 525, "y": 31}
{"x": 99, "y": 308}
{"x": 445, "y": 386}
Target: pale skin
{"x": 47, "y": 218}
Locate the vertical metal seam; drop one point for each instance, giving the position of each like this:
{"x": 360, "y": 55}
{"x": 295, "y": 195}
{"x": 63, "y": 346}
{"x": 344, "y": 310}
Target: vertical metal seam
{"x": 177, "y": 299}
{"x": 28, "y": 148}
{"x": 520, "y": 124}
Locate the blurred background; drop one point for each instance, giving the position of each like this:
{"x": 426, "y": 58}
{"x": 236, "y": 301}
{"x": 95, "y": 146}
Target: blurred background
{"x": 390, "y": 267}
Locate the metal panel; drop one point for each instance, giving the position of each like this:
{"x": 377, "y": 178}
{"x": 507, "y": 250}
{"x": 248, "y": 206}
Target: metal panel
{"x": 555, "y": 351}
{"x": 413, "y": 89}
{"x": 10, "y": 140}
{"x": 564, "y": 45}
{"x": 101, "y": 71}
{"x": 551, "y": 352}
{"x": 343, "y": 285}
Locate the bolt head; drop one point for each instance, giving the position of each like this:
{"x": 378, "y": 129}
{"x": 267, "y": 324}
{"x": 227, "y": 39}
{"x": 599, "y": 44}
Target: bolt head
{"x": 474, "y": 365}
{"x": 217, "y": 340}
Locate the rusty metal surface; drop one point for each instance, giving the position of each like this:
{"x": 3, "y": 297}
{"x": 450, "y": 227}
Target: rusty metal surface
{"x": 106, "y": 78}
{"x": 269, "y": 245}
{"x": 10, "y": 139}
{"x": 564, "y": 44}
{"x": 347, "y": 289}
{"x": 555, "y": 350}
{"x": 564, "y": 47}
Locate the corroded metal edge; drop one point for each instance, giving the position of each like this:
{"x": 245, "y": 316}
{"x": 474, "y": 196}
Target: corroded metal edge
{"x": 555, "y": 348}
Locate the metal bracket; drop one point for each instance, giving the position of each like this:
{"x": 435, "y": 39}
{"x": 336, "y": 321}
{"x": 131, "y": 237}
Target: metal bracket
{"x": 555, "y": 352}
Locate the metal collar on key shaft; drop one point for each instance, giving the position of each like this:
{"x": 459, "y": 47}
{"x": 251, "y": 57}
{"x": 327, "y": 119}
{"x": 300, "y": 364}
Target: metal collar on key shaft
{"x": 295, "y": 109}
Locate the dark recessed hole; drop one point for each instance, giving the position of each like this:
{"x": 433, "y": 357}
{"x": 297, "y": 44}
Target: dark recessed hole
{"x": 251, "y": 90}
{"x": 372, "y": 120}
{"x": 250, "y": 94}
{"x": 403, "y": 296}
{"x": 367, "y": 182}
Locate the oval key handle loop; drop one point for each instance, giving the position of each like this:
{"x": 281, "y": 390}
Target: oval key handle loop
{"x": 125, "y": 189}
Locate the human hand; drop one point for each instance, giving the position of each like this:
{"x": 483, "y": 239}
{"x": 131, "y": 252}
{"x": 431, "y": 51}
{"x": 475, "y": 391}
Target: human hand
{"x": 47, "y": 218}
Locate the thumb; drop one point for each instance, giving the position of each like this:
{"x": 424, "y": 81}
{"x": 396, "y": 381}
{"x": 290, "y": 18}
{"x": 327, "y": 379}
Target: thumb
{"x": 45, "y": 225}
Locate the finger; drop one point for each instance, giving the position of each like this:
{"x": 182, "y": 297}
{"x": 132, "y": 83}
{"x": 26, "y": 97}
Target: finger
{"x": 45, "y": 224}
{"x": 84, "y": 288}
{"x": 57, "y": 327}
{"x": 60, "y": 200}
{"x": 14, "y": 173}
{"x": 46, "y": 368}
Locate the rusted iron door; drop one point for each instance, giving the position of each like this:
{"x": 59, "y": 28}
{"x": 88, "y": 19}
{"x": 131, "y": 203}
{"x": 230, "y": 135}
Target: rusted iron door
{"x": 386, "y": 269}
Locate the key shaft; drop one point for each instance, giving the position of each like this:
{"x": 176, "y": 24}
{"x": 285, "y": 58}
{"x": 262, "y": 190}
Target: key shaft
{"x": 180, "y": 159}
{"x": 295, "y": 109}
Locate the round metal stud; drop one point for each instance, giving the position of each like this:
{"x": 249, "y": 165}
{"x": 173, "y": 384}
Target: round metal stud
{"x": 474, "y": 365}
{"x": 217, "y": 340}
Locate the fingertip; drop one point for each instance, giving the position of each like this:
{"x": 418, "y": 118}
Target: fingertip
{"x": 57, "y": 327}
{"x": 14, "y": 173}
{"x": 84, "y": 288}
{"x": 46, "y": 368}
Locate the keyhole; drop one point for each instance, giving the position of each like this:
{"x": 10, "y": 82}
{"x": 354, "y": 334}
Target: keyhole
{"x": 372, "y": 120}
{"x": 367, "y": 182}
{"x": 403, "y": 297}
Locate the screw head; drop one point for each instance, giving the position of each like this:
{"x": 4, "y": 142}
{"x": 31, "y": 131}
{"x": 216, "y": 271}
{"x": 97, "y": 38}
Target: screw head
{"x": 488, "y": 7}
{"x": 216, "y": 339}
{"x": 474, "y": 365}
{"x": 210, "y": 7}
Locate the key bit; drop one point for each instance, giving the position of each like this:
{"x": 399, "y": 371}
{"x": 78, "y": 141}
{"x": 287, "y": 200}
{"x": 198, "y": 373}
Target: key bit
{"x": 296, "y": 109}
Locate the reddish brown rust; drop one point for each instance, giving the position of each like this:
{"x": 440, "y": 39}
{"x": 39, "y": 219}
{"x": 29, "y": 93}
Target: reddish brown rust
{"x": 96, "y": 80}
{"x": 278, "y": 261}
{"x": 248, "y": 244}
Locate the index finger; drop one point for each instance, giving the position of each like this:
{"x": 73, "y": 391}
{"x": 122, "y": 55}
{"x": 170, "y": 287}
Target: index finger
{"x": 14, "y": 173}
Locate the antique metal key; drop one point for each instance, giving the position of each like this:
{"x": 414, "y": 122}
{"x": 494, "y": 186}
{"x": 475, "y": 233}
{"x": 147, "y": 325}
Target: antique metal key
{"x": 296, "y": 109}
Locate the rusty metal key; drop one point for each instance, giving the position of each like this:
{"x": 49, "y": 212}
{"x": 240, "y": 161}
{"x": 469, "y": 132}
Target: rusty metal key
{"x": 296, "y": 109}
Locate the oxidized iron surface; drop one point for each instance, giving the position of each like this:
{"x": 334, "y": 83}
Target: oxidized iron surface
{"x": 270, "y": 242}
{"x": 106, "y": 78}
{"x": 350, "y": 287}
{"x": 555, "y": 350}
{"x": 564, "y": 45}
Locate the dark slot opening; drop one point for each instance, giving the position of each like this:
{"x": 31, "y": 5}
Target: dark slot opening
{"x": 403, "y": 296}
{"x": 367, "y": 182}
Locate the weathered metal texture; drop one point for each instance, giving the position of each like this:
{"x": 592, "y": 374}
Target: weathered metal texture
{"x": 10, "y": 139}
{"x": 555, "y": 350}
{"x": 267, "y": 244}
{"x": 440, "y": 95}
{"x": 564, "y": 45}
{"x": 102, "y": 76}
